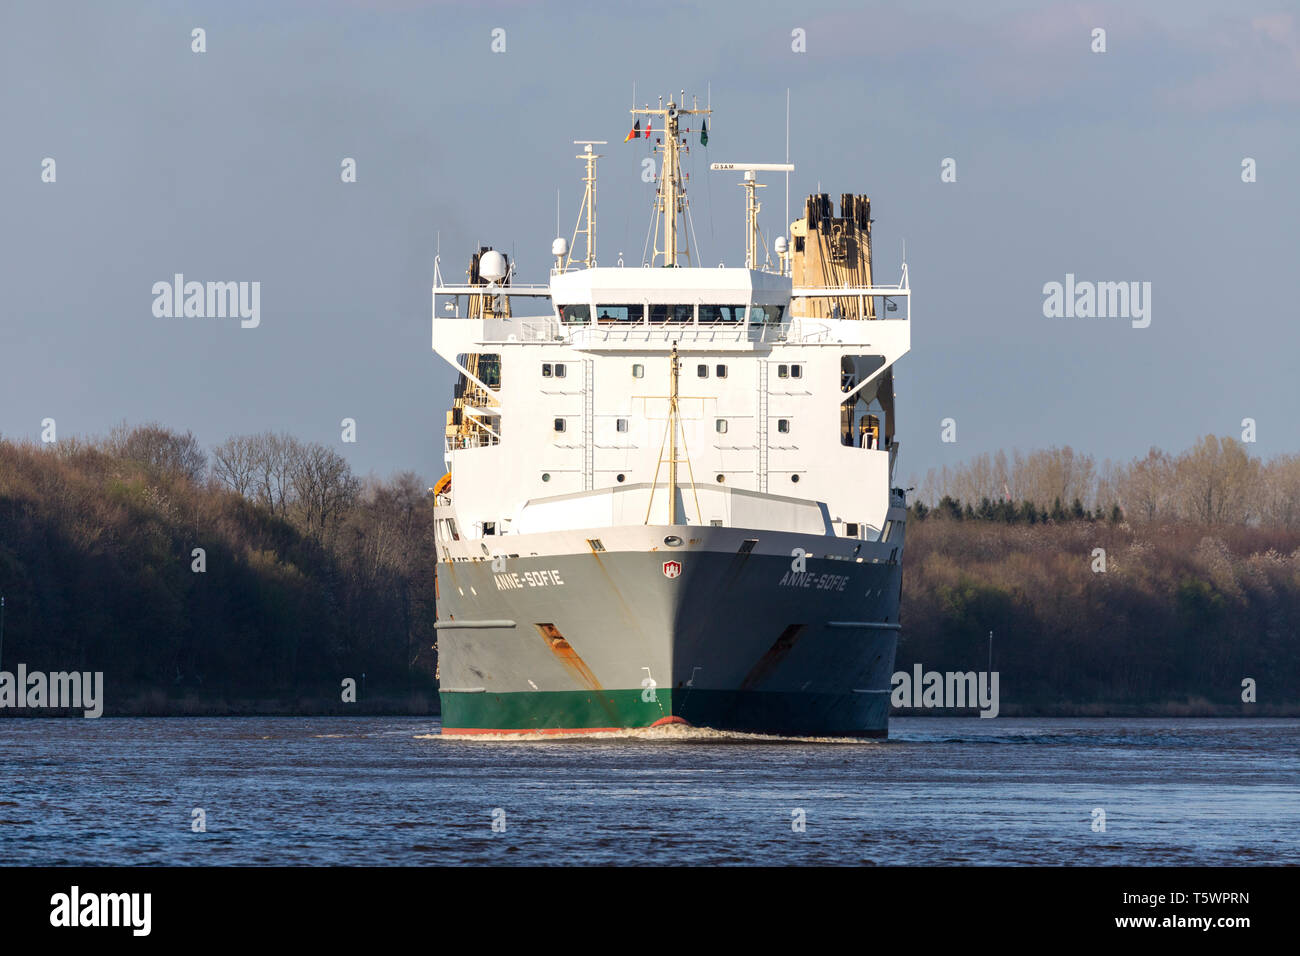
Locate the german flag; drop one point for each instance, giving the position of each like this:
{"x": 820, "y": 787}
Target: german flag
{"x": 636, "y": 131}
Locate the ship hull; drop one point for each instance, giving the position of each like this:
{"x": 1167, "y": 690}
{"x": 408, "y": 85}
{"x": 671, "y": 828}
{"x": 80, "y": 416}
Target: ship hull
{"x": 609, "y": 640}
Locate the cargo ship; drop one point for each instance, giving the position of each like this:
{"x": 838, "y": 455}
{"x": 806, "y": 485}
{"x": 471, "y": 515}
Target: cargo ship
{"x": 669, "y": 494}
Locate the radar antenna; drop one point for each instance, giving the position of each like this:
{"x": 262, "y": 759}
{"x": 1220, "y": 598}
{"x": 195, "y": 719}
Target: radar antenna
{"x": 752, "y": 206}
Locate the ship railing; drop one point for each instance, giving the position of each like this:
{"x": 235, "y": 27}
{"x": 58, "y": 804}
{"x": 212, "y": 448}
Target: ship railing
{"x": 475, "y": 440}
{"x": 684, "y": 333}
{"x": 541, "y": 329}
{"x": 888, "y": 302}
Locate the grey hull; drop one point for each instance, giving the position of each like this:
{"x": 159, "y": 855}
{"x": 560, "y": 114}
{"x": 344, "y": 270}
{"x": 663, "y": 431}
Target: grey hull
{"x": 733, "y": 641}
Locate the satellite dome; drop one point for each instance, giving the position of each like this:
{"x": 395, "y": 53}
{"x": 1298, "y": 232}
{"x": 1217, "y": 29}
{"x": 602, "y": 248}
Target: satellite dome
{"x": 779, "y": 245}
{"x": 560, "y": 247}
{"x": 492, "y": 266}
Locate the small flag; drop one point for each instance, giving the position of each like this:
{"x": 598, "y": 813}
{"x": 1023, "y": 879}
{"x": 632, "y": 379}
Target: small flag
{"x": 704, "y": 134}
{"x": 636, "y": 131}
{"x": 647, "y": 128}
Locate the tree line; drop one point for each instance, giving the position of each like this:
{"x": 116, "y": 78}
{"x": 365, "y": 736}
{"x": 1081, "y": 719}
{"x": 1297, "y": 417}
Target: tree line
{"x": 1216, "y": 482}
{"x": 306, "y": 574}
{"x": 311, "y": 574}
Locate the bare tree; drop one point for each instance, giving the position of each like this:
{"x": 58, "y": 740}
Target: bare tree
{"x": 323, "y": 486}
{"x": 1217, "y": 481}
{"x": 1146, "y": 487}
{"x": 274, "y": 462}
{"x": 234, "y": 463}
{"x": 159, "y": 448}
{"x": 1280, "y": 492}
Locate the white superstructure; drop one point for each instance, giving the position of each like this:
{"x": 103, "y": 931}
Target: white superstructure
{"x": 785, "y": 395}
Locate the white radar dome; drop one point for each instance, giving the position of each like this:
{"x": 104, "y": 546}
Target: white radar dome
{"x": 560, "y": 247}
{"x": 779, "y": 245}
{"x": 492, "y": 266}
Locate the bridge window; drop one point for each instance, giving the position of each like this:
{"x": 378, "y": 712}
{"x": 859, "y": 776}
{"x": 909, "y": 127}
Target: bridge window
{"x": 633, "y": 312}
{"x": 765, "y": 313}
{"x": 721, "y": 426}
{"x": 487, "y": 367}
{"x": 783, "y": 371}
{"x": 559, "y": 370}
{"x": 672, "y": 313}
{"x": 721, "y": 371}
{"x": 573, "y": 314}
{"x": 546, "y": 370}
{"x": 722, "y": 313}
{"x": 796, "y": 371}
{"x": 702, "y": 371}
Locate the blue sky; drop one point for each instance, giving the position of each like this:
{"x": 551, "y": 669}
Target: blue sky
{"x": 1115, "y": 166}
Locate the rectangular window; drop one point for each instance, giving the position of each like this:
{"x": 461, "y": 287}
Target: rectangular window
{"x": 672, "y": 313}
{"x": 715, "y": 522}
{"x": 574, "y": 314}
{"x": 595, "y": 545}
{"x": 783, "y": 425}
{"x": 721, "y": 426}
{"x": 721, "y": 371}
{"x": 783, "y": 371}
{"x": 638, "y": 371}
{"x": 851, "y": 529}
{"x": 559, "y": 424}
{"x": 488, "y": 369}
{"x": 710, "y": 314}
{"x": 620, "y": 424}
{"x": 546, "y": 370}
{"x": 702, "y": 371}
{"x": 884, "y": 535}
{"x": 559, "y": 370}
{"x": 796, "y": 371}
{"x": 765, "y": 313}
{"x": 632, "y": 312}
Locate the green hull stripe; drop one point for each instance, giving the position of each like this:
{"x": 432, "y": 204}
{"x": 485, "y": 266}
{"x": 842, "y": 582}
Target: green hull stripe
{"x": 757, "y": 711}
{"x": 554, "y": 710}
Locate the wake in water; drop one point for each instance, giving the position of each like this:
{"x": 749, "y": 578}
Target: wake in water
{"x": 667, "y": 733}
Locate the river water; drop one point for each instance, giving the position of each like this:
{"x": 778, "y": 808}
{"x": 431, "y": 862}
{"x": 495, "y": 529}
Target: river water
{"x": 364, "y": 791}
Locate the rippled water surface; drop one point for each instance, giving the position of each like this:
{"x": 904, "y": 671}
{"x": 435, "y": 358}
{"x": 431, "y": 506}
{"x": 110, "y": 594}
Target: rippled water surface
{"x": 385, "y": 790}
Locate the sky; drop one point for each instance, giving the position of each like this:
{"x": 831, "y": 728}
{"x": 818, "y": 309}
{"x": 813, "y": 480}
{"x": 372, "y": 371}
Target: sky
{"x": 225, "y": 165}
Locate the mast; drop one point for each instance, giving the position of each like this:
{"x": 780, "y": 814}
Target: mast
{"x": 752, "y": 206}
{"x": 670, "y": 201}
{"x": 674, "y": 365}
{"x": 587, "y": 227}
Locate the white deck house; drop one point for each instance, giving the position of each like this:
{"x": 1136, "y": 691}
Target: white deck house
{"x": 575, "y": 410}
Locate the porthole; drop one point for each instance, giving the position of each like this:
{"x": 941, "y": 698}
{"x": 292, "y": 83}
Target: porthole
{"x": 621, "y": 477}
{"x": 673, "y": 541}
{"x": 794, "y": 477}
{"x": 546, "y": 476}
{"x": 721, "y": 478}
